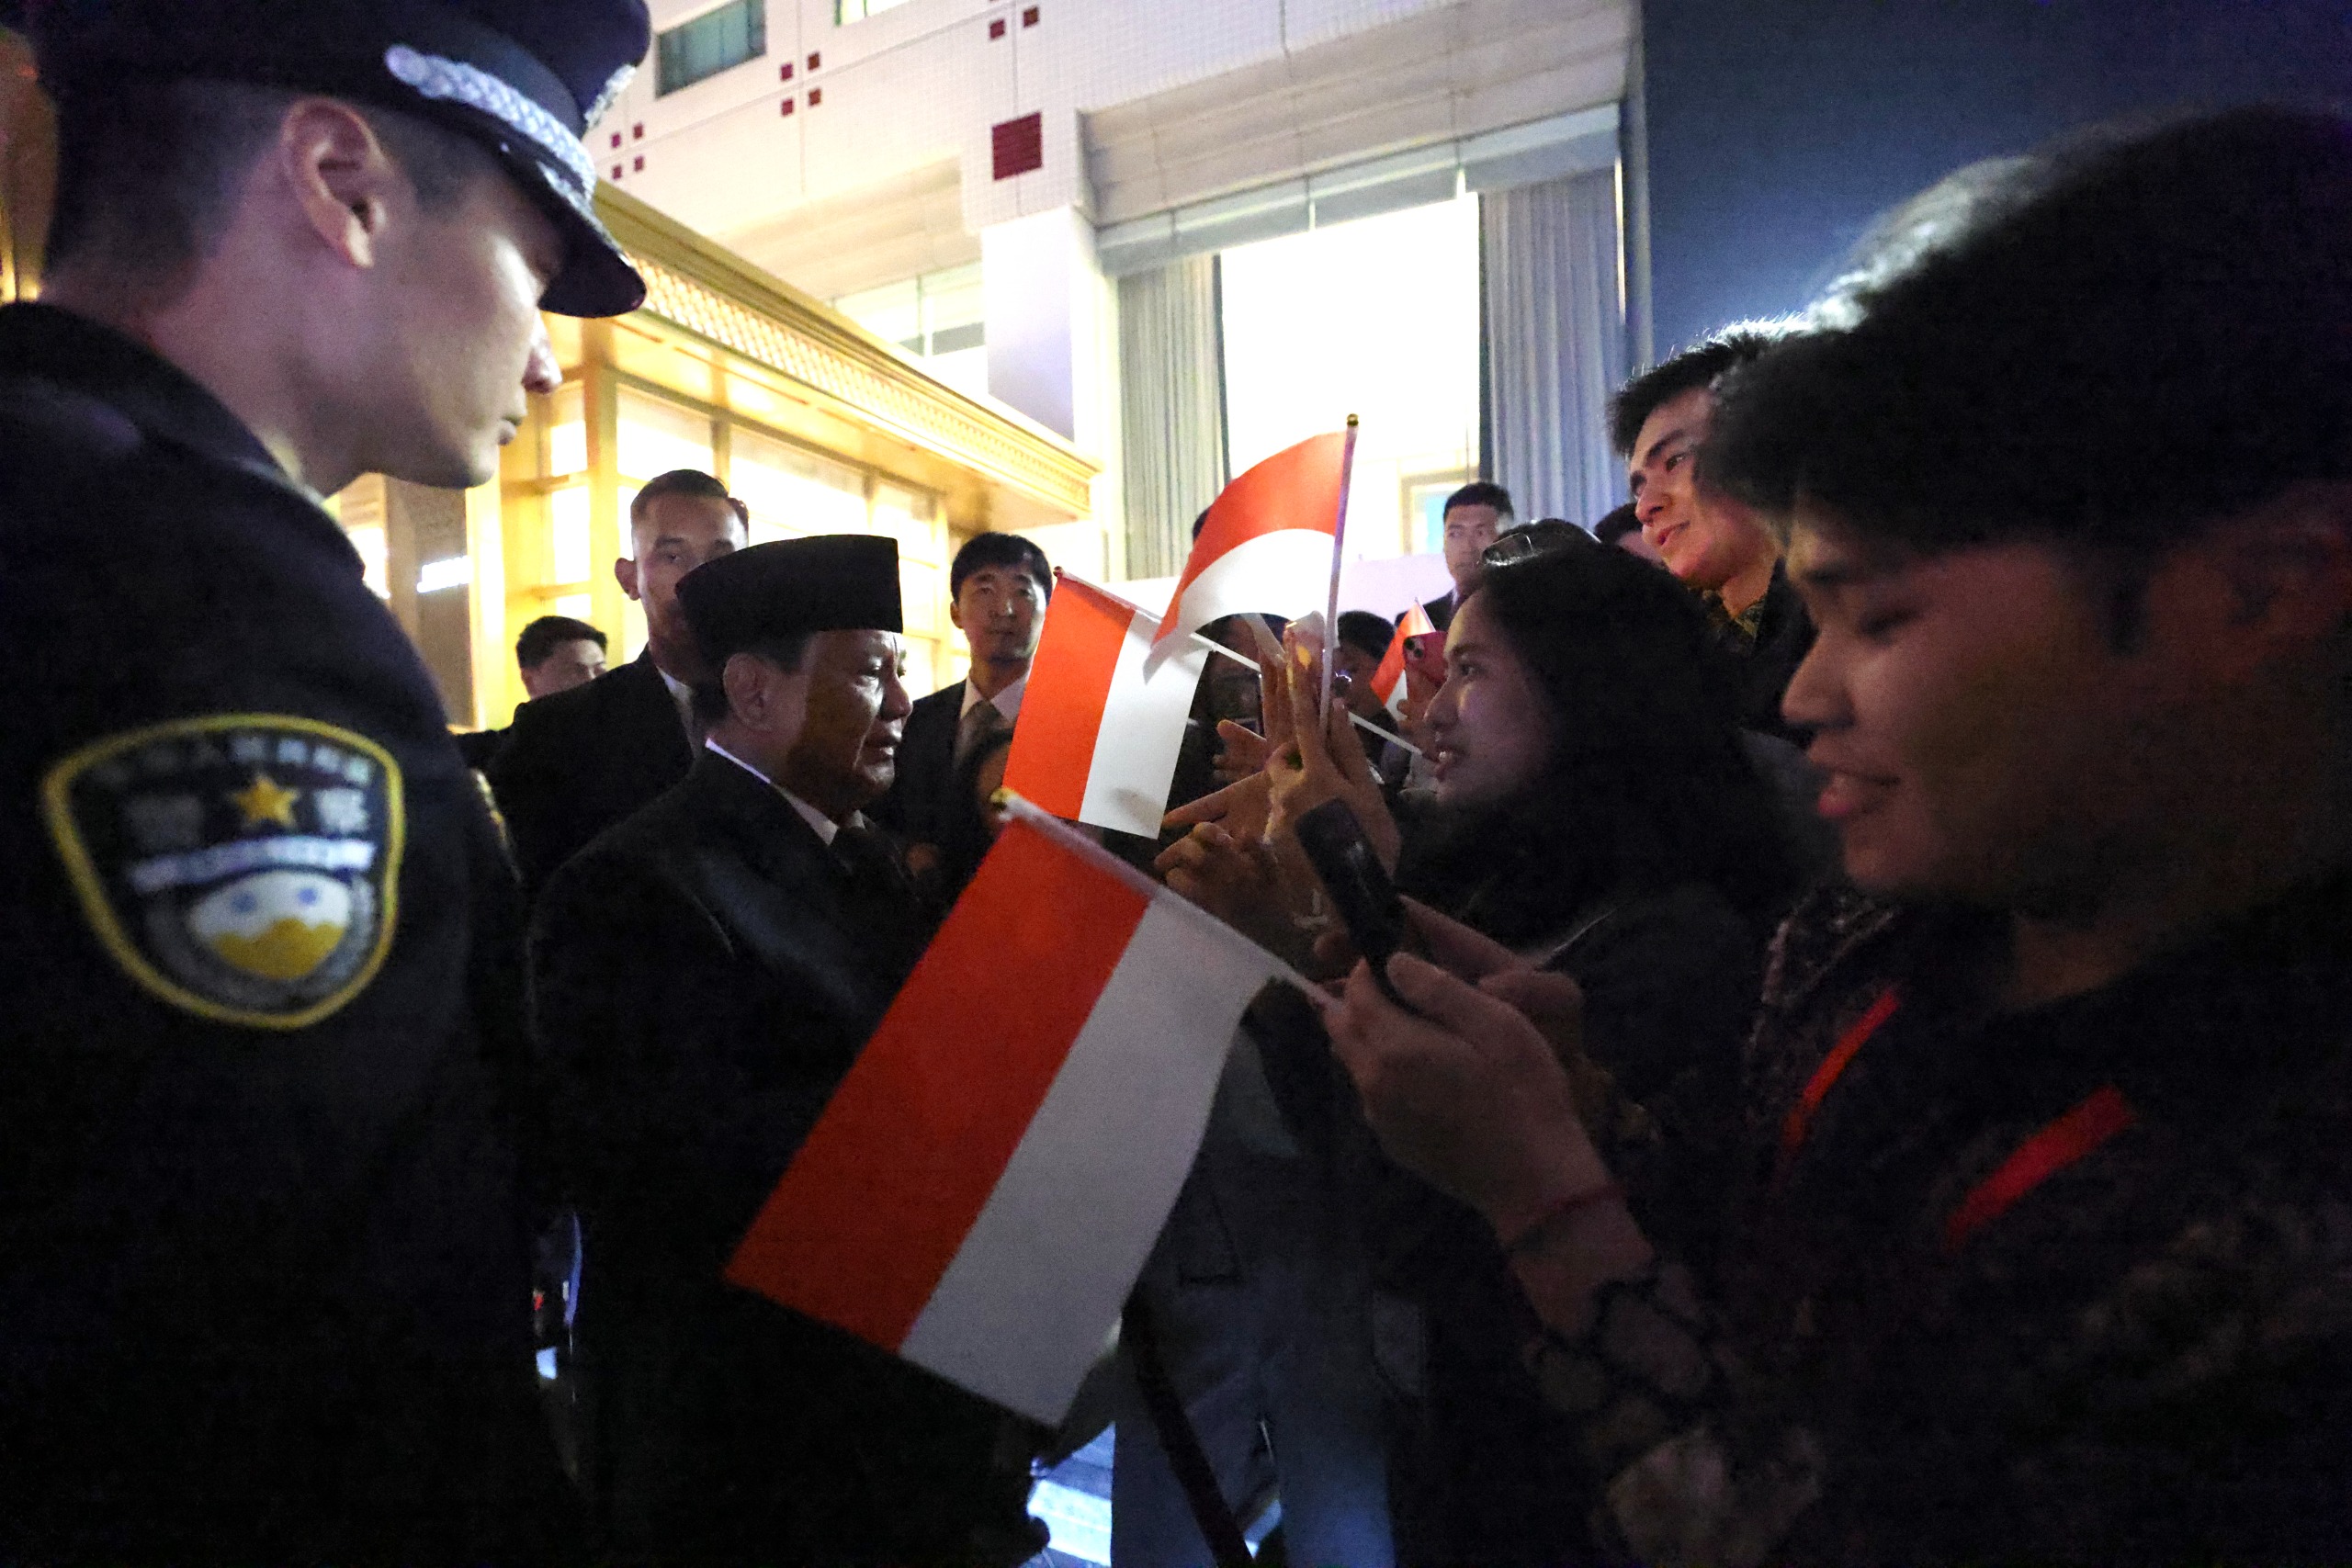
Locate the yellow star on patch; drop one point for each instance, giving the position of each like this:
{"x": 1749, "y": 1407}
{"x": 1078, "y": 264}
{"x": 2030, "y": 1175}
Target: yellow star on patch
{"x": 266, "y": 800}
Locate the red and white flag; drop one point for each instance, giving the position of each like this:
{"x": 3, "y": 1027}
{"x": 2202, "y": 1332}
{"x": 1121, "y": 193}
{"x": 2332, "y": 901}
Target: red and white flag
{"x": 1268, "y": 544}
{"x": 1101, "y": 720}
{"x": 1389, "y": 680}
{"x": 981, "y": 1192}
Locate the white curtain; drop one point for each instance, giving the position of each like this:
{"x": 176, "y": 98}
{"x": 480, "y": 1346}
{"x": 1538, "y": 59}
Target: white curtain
{"x": 1172, "y": 402}
{"x": 1555, "y": 343}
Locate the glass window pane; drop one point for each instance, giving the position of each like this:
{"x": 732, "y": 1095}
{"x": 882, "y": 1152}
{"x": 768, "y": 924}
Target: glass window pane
{"x": 579, "y": 606}
{"x": 712, "y": 42}
{"x": 793, "y": 493}
{"x": 657, "y": 435}
{"x": 568, "y": 537}
{"x": 892, "y": 312}
{"x": 906, "y": 515}
{"x": 567, "y": 432}
{"x": 953, "y": 305}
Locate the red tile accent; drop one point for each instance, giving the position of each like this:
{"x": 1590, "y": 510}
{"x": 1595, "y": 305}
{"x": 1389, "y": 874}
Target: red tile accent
{"x": 815, "y": 61}
{"x": 1018, "y": 146}
{"x": 784, "y": 71}
{"x": 637, "y": 131}
{"x": 1029, "y": 17}
{"x": 815, "y": 96}
{"x": 617, "y": 171}
{"x": 638, "y": 167}
{"x": 996, "y": 29}
{"x": 787, "y": 107}
{"x": 616, "y": 137}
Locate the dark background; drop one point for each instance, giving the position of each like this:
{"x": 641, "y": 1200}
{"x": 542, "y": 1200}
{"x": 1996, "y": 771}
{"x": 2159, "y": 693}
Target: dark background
{"x": 1779, "y": 128}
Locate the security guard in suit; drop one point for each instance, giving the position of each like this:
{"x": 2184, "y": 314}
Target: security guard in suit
{"x": 704, "y": 974}
{"x": 263, "y": 1288}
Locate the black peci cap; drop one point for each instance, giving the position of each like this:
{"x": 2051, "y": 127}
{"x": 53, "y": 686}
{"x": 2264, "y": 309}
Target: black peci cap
{"x": 526, "y": 78}
{"x": 790, "y": 587}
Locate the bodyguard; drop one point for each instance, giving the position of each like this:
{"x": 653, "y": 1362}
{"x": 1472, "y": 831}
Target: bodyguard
{"x": 263, "y": 1295}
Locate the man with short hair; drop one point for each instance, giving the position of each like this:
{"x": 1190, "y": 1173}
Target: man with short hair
{"x": 1473, "y": 517}
{"x": 704, "y": 974}
{"x": 2045, "y": 1255}
{"x": 998, "y": 586}
{"x": 577, "y": 761}
{"x": 1621, "y": 527}
{"x": 265, "y": 1295}
{"x": 1712, "y": 543}
{"x": 553, "y": 654}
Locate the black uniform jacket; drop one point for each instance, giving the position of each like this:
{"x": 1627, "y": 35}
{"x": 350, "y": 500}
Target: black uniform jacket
{"x": 702, "y": 975}
{"x": 263, "y": 1290}
{"x": 577, "y": 761}
{"x": 916, "y": 804}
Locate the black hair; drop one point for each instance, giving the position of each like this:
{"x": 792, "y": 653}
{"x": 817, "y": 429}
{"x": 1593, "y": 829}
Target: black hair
{"x": 149, "y": 173}
{"x": 1649, "y": 785}
{"x": 2108, "y": 346}
{"x": 1198, "y": 524}
{"x": 984, "y": 550}
{"x": 1616, "y": 523}
{"x": 1369, "y": 633}
{"x": 1701, "y": 365}
{"x": 710, "y": 694}
{"x": 684, "y": 481}
{"x": 544, "y": 636}
{"x": 1480, "y": 492}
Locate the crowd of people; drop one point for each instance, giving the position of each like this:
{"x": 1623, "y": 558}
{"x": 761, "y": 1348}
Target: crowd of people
{"x": 1864, "y": 1080}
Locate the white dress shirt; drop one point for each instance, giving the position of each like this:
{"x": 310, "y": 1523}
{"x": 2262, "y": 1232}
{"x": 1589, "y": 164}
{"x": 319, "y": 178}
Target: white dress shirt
{"x": 1008, "y": 701}
{"x": 826, "y": 828}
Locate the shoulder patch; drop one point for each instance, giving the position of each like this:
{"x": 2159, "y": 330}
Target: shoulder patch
{"x": 240, "y": 867}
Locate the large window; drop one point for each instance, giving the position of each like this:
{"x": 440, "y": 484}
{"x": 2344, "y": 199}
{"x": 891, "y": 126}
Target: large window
{"x": 857, "y": 10}
{"x": 1379, "y": 317}
{"x": 938, "y": 318}
{"x": 712, "y": 42}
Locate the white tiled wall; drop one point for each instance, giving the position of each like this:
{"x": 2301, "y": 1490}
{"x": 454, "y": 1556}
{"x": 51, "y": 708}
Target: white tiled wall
{"x": 1226, "y": 92}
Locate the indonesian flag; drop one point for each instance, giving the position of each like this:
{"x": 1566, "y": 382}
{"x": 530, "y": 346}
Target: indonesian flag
{"x": 981, "y": 1192}
{"x": 1389, "y": 680}
{"x": 1268, "y": 545}
{"x": 1101, "y": 721}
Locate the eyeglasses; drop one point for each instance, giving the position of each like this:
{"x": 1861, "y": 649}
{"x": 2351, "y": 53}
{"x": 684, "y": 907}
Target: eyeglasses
{"x": 1540, "y": 538}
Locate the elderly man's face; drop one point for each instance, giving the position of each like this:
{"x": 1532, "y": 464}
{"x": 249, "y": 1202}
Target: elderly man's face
{"x": 847, "y": 751}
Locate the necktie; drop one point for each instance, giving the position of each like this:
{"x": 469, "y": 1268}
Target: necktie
{"x": 980, "y": 722}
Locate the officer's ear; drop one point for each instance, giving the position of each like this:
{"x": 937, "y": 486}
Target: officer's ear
{"x": 765, "y": 697}
{"x": 339, "y": 175}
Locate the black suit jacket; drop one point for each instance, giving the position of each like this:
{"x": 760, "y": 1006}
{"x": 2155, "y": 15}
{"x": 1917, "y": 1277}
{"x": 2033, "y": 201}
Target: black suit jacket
{"x": 926, "y": 768}
{"x": 702, "y": 975}
{"x": 576, "y": 763}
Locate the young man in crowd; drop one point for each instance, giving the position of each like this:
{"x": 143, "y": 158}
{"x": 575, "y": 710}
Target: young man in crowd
{"x": 553, "y": 654}
{"x": 1621, "y": 527}
{"x": 265, "y": 1297}
{"x": 2044, "y": 1252}
{"x": 1714, "y": 544}
{"x": 579, "y": 761}
{"x": 703, "y": 976}
{"x": 998, "y": 585}
{"x": 1474, "y": 516}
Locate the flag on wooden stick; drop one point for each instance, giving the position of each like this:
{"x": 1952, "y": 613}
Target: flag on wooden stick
{"x": 981, "y": 1192}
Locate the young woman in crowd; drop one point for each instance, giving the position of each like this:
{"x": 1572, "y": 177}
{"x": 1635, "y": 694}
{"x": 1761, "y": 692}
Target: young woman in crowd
{"x": 1596, "y": 813}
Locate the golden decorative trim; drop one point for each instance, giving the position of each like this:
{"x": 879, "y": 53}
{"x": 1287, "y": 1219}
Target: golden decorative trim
{"x": 693, "y": 284}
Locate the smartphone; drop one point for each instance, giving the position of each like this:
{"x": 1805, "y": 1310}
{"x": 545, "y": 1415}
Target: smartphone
{"x": 1365, "y": 900}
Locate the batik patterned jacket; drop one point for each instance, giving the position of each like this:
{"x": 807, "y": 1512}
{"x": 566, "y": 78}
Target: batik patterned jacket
{"x": 2067, "y": 1284}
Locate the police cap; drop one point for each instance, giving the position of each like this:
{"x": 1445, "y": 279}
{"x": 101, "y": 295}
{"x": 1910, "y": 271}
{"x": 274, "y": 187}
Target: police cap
{"x": 526, "y": 78}
{"x": 789, "y": 588}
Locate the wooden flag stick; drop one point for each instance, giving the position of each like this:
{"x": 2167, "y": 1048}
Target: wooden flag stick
{"x": 1339, "y": 553}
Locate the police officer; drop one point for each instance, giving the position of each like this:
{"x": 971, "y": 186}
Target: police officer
{"x": 263, "y": 1294}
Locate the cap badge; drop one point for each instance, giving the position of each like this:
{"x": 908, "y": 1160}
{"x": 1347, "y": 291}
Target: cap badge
{"x": 453, "y": 81}
{"x": 239, "y": 866}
